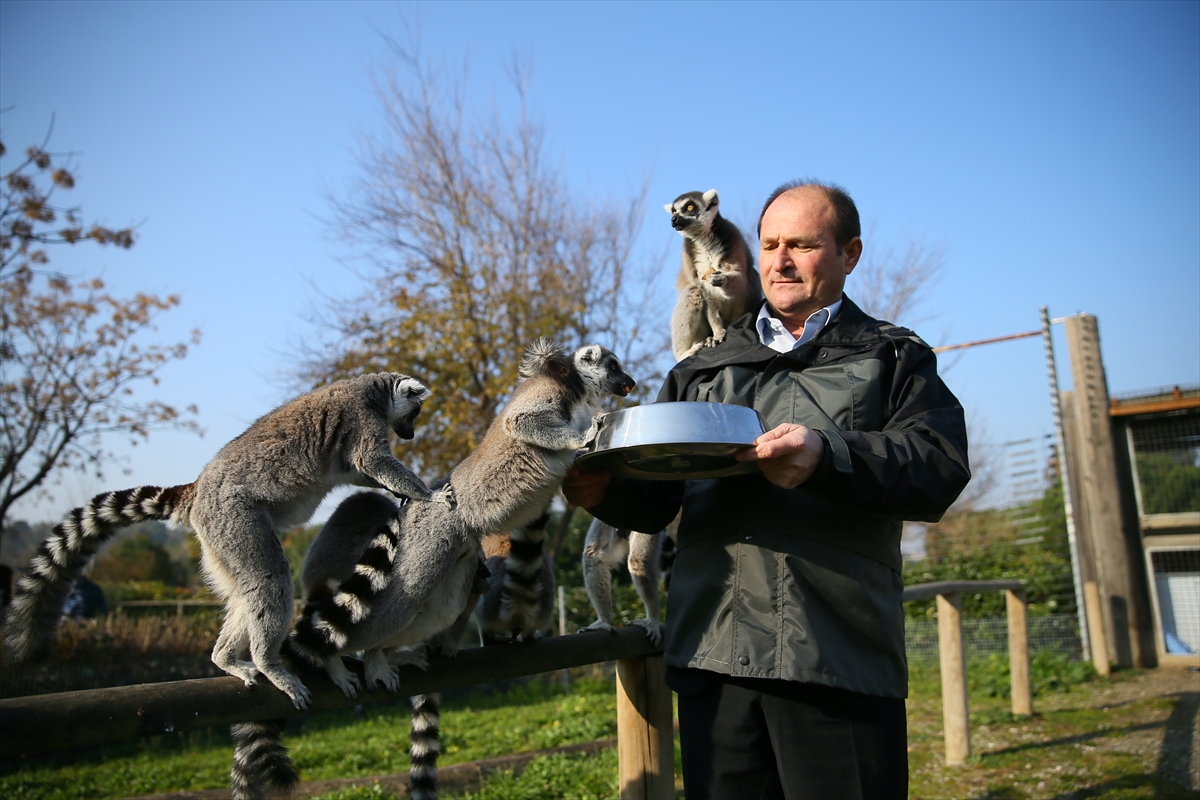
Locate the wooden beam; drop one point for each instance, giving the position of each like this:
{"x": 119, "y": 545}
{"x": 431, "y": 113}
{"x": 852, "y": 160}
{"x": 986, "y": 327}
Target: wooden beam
{"x": 1018, "y": 652}
{"x": 645, "y": 734}
{"x": 924, "y": 591}
{"x": 68, "y": 720}
{"x": 1095, "y": 618}
{"x": 955, "y": 724}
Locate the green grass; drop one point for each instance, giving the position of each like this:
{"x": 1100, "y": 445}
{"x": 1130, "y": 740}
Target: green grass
{"x": 1078, "y": 744}
{"x": 331, "y": 745}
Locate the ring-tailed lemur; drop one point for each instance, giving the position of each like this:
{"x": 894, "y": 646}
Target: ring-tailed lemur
{"x": 519, "y": 604}
{"x": 271, "y": 477}
{"x": 364, "y": 531}
{"x": 417, "y": 566}
{"x": 603, "y": 549}
{"x": 507, "y": 482}
{"x": 717, "y": 281}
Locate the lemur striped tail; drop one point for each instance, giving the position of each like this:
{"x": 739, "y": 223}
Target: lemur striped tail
{"x": 42, "y": 591}
{"x": 260, "y": 761}
{"x": 329, "y": 612}
{"x": 426, "y": 746}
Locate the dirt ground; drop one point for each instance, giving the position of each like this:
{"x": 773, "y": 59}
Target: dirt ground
{"x": 1133, "y": 735}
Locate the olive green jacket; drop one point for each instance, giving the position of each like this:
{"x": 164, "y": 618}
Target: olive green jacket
{"x": 804, "y": 584}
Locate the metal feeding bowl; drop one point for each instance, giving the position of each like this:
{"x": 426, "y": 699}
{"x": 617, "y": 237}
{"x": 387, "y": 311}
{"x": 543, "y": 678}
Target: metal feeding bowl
{"x": 674, "y": 441}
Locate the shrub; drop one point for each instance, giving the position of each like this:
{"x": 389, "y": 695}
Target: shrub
{"x": 1048, "y": 672}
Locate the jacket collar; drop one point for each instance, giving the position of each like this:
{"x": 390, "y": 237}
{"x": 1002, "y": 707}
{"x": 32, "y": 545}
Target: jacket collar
{"x": 851, "y": 327}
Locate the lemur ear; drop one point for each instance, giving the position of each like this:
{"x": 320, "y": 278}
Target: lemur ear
{"x": 668, "y": 209}
{"x": 710, "y": 198}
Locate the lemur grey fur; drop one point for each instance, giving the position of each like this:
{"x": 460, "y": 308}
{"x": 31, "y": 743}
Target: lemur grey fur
{"x": 519, "y": 604}
{"x": 271, "y": 477}
{"x": 717, "y": 281}
{"x": 409, "y": 582}
{"x": 603, "y": 549}
{"x": 379, "y": 577}
{"x": 359, "y": 532}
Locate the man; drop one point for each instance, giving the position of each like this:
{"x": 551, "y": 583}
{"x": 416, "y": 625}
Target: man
{"x": 785, "y": 632}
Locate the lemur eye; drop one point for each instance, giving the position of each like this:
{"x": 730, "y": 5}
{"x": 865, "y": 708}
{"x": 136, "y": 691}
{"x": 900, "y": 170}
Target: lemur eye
{"x": 690, "y": 207}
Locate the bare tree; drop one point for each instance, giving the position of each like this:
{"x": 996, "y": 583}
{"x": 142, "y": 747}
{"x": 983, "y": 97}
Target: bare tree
{"x": 474, "y": 247}
{"x": 70, "y": 353}
{"x": 893, "y": 283}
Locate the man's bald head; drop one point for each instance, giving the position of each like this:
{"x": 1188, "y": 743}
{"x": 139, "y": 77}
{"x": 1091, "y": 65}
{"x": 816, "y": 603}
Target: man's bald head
{"x": 844, "y": 223}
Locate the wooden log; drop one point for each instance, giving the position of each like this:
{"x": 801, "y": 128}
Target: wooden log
{"x": 68, "y": 720}
{"x": 924, "y": 591}
{"x": 645, "y": 734}
{"x": 1018, "y": 652}
{"x": 954, "y": 678}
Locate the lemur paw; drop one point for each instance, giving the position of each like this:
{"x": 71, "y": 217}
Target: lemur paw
{"x": 376, "y": 669}
{"x": 242, "y": 669}
{"x": 296, "y": 691}
{"x": 598, "y": 625}
{"x": 345, "y": 680}
{"x": 654, "y": 630}
{"x": 447, "y": 649}
{"x": 446, "y": 497}
{"x": 409, "y": 657}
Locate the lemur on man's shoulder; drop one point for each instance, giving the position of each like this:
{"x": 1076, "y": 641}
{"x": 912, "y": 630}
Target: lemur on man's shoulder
{"x": 717, "y": 281}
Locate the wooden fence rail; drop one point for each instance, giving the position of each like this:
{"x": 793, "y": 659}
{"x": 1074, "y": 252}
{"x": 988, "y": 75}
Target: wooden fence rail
{"x": 41, "y": 724}
{"x": 955, "y": 719}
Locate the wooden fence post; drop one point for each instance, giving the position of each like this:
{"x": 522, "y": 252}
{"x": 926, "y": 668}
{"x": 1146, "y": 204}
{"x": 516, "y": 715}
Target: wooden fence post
{"x": 1018, "y": 652}
{"x": 645, "y": 734}
{"x": 954, "y": 678}
{"x": 1095, "y": 623}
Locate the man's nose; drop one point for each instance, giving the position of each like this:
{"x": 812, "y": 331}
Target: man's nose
{"x": 778, "y": 258}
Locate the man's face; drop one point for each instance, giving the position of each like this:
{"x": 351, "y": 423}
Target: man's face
{"x": 802, "y": 269}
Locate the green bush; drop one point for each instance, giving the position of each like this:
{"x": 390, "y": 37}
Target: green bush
{"x": 1043, "y": 571}
{"x": 1048, "y": 672}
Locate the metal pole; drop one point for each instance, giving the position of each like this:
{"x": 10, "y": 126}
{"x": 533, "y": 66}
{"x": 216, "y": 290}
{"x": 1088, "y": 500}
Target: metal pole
{"x": 1065, "y": 473}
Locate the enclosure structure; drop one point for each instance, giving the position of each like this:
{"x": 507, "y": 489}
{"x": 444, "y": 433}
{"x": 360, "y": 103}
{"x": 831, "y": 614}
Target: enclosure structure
{"x": 1157, "y": 440}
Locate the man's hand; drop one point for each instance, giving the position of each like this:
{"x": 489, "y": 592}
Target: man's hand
{"x": 585, "y": 489}
{"x": 787, "y": 455}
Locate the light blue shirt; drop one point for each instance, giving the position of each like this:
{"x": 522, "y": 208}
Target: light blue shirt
{"x": 772, "y": 333}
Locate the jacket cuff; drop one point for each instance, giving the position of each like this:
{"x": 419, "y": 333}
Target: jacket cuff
{"x": 835, "y": 457}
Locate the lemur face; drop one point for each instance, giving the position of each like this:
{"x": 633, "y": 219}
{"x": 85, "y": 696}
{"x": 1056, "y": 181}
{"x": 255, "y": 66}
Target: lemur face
{"x": 407, "y": 397}
{"x": 693, "y": 212}
{"x": 601, "y": 368}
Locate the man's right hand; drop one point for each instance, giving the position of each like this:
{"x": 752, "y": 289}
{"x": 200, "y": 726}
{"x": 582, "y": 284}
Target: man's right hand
{"x": 585, "y": 489}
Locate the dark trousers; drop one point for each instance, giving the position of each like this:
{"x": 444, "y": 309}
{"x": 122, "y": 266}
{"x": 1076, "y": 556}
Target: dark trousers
{"x": 753, "y": 738}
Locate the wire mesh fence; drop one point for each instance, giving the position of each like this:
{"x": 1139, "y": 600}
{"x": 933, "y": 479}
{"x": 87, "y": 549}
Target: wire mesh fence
{"x": 1166, "y": 460}
{"x": 1055, "y": 633}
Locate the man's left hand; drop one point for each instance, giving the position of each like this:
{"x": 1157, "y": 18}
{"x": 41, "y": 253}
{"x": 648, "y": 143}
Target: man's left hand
{"x": 787, "y": 455}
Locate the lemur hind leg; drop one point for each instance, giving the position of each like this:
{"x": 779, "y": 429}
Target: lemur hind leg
{"x": 604, "y": 548}
{"x": 644, "y": 553}
{"x": 245, "y": 561}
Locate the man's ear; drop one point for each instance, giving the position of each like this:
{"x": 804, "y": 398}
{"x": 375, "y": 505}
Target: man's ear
{"x": 853, "y": 250}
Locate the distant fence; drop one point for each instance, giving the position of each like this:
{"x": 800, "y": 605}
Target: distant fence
{"x": 982, "y": 636}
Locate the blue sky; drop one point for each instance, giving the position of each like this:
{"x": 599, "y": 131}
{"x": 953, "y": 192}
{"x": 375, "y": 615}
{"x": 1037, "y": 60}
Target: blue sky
{"x": 1051, "y": 149}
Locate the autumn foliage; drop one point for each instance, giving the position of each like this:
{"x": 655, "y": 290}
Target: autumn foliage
{"x": 472, "y": 247}
{"x": 70, "y": 353}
